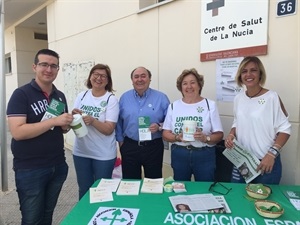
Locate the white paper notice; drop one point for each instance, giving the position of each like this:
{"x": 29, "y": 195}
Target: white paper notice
{"x": 227, "y": 87}
{"x": 100, "y": 195}
{"x": 129, "y": 188}
{"x": 111, "y": 184}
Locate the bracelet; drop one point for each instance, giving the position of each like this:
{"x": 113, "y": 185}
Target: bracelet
{"x": 274, "y": 151}
{"x": 271, "y": 155}
{"x": 277, "y": 147}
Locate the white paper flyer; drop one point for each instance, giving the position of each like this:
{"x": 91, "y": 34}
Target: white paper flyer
{"x": 244, "y": 160}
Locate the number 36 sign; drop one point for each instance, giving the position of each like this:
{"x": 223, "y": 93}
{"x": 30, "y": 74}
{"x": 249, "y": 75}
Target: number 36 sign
{"x": 286, "y": 7}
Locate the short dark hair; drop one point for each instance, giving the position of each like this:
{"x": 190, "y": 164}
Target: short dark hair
{"x": 109, "y": 86}
{"x": 45, "y": 52}
{"x": 148, "y": 71}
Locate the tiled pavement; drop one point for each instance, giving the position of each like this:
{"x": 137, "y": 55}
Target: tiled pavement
{"x": 9, "y": 205}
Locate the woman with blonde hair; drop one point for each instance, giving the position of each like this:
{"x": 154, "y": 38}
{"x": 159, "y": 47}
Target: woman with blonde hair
{"x": 260, "y": 122}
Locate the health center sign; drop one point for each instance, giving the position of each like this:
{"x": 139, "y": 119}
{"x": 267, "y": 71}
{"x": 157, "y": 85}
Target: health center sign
{"x": 231, "y": 28}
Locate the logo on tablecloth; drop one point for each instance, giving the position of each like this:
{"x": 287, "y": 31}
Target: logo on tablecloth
{"x": 114, "y": 216}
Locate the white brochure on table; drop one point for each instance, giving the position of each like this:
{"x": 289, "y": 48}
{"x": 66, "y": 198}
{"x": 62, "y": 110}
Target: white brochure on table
{"x": 111, "y": 184}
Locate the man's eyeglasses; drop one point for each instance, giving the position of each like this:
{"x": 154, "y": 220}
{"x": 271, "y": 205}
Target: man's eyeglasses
{"x": 97, "y": 75}
{"x": 219, "y": 190}
{"x": 46, "y": 66}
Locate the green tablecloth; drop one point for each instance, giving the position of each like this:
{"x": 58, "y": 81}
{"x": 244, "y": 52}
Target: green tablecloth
{"x": 155, "y": 209}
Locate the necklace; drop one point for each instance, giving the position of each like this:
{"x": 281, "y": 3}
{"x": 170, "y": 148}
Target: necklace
{"x": 255, "y": 94}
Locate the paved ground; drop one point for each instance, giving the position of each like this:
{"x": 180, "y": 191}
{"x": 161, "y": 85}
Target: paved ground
{"x": 9, "y": 205}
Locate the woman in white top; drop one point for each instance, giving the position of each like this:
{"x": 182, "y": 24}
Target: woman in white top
{"x": 95, "y": 154}
{"x": 260, "y": 122}
{"x": 193, "y": 157}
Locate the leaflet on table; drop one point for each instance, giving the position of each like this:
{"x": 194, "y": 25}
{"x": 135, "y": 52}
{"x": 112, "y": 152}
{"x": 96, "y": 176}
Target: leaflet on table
{"x": 111, "y": 184}
{"x": 55, "y": 109}
{"x": 194, "y": 203}
{"x": 293, "y": 197}
{"x": 100, "y": 195}
{"x": 144, "y": 131}
{"x": 223, "y": 210}
{"x": 154, "y": 186}
{"x": 129, "y": 188}
{"x": 244, "y": 160}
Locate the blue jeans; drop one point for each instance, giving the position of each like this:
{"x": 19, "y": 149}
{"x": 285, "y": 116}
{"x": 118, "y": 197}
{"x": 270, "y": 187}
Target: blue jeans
{"x": 38, "y": 191}
{"x": 89, "y": 170}
{"x": 268, "y": 178}
{"x": 199, "y": 162}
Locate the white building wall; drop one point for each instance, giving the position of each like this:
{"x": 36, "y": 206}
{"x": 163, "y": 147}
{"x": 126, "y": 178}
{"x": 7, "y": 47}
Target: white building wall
{"x": 26, "y": 48}
{"x": 22, "y": 46}
{"x": 10, "y": 47}
{"x": 166, "y": 40}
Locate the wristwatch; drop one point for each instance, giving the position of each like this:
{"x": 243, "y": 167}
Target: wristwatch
{"x": 159, "y": 127}
{"x": 207, "y": 139}
{"x": 67, "y": 130}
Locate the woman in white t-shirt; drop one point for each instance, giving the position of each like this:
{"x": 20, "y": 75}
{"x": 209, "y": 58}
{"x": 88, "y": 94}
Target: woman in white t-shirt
{"x": 260, "y": 122}
{"x": 195, "y": 157}
{"x": 95, "y": 154}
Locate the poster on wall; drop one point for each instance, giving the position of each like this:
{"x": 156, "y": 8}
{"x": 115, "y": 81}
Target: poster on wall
{"x": 231, "y": 28}
{"x": 75, "y": 76}
{"x": 226, "y": 70}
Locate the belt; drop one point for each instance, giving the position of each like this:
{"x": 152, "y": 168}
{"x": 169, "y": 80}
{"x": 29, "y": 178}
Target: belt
{"x": 142, "y": 143}
{"x": 191, "y": 147}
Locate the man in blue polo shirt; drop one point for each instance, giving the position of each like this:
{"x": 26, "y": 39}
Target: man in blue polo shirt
{"x": 37, "y": 141}
{"x": 138, "y": 131}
